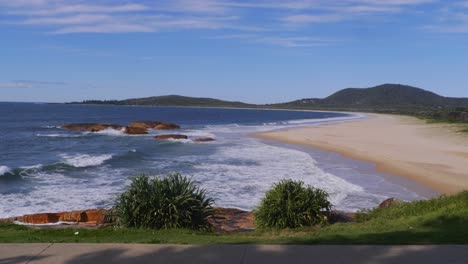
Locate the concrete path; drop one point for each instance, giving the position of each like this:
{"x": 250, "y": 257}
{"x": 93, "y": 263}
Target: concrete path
{"x": 226, "y": 254}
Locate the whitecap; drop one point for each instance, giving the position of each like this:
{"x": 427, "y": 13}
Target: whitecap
{"x": 4, "y": 170}
{"x": 32, "y": 167}
{"x": 108, "y": 132}
{"x": 84, "y": 160}
{"x": 57, "y": 135}
{"x": 238, "y": 176}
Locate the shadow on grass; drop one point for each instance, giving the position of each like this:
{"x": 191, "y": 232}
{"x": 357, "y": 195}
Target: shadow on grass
{"x": 440, "y": 230}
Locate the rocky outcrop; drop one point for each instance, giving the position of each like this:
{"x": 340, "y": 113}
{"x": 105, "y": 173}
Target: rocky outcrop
{"x": 92, "y": 127}
{"x": 136, "y": 131}
{"x": 390, "y": 202}
{"x": 156, "y": 125}
{"x": 92, "y": 217}
{"x": 204, "y": 139}
{"x": 170, "y": 136}
{"x": 229, "y": 220}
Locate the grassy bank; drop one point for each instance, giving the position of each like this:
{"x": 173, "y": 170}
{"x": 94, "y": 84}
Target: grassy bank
{"x": 437, "y": 221}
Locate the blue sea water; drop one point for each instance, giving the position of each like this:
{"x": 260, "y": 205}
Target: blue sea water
{"x": 46, "y": 168}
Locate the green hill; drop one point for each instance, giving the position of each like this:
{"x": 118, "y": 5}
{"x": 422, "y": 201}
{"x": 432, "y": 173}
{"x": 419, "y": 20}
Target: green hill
{"x": 386, "y": 96}
{"x": 172, "y": 100}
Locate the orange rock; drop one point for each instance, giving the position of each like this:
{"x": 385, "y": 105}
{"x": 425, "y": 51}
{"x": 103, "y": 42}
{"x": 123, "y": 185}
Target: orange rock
{"x": 96, "y": 215}
{"x": 91, "y": 127}
{"x": 136, "y": 130}
{"x": 171, "y": 136}
{"x": 73, "y": 216}
{"x": 227, "y": 220}
{"x": 166, "y": 126}
{"x": 42, "y": 218}
{"x": 157, "y": 125}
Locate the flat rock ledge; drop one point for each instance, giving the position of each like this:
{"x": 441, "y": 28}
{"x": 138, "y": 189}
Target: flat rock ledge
{"x": 85, "y": 218}
{"x": 224, "y": 220}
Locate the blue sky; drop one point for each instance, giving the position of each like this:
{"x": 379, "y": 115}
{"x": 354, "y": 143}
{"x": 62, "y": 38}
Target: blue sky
{"x": 253, "y": 51}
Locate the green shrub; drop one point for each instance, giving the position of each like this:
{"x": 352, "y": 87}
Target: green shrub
{"x": 173, "y": 201}
{"x": 291, "y": 204}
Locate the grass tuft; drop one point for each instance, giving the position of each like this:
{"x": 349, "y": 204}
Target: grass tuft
{"x": 173, "y": 201}
{"x": 291, "y": 204}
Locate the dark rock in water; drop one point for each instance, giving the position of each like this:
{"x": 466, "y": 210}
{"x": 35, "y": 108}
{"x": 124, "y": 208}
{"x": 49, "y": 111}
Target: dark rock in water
{"x": 389, "y": 202}
{"x": 136, "y": 131}
{"x": 205, "y": 139}
{"x": 92, "y": 127}
{"x": 171, "y": 136}
{"x": 156, "y": 125}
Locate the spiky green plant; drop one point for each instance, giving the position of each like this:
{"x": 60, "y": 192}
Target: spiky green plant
{"x": 173, "y": 201}
{"x": 292, "y": 204}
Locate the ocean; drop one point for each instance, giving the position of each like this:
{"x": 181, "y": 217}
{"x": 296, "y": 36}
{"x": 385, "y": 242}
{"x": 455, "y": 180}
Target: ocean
{"x": 44, "y": 168}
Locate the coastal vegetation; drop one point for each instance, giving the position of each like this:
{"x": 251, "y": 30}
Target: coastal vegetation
{"x": 436, "y": 221}
{"x": 170, "y": 100}
{"x": 173, "y": 201}
{"x": 291, "y": 204}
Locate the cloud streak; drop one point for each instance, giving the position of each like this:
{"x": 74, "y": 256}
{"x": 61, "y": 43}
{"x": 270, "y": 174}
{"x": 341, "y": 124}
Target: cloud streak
{"x": 225, "y": 16}
{"x": 26, "y": 84}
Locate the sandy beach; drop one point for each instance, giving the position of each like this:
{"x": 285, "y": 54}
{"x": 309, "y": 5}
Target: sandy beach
{"x": 434, "y": 155}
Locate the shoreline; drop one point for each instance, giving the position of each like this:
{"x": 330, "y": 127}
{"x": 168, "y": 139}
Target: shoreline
{"x": 432, "y": 155}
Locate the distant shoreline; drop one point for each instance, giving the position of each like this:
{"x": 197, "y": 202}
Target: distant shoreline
{"x": 427, "y": 154}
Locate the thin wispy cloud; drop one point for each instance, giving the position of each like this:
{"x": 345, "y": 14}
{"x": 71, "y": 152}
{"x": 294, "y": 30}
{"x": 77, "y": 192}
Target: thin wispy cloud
{"x": 452, "y": 18}
{"x": 14, "y": 85}
{"x": 236, "y": 16}
{"x": 26, "y": 84}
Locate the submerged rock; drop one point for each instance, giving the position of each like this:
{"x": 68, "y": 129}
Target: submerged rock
{"x": 170, "y": 136}
{"x": 204, "y": 139}
{"x": 91, "y": 127}
{"x": 156, "y": 125}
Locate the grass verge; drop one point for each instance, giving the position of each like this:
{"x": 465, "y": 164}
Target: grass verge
{"x": 437, "y": 221}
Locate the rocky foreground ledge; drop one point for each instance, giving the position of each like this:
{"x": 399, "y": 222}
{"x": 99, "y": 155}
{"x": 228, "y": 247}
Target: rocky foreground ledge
{"x": 224, "y": 220}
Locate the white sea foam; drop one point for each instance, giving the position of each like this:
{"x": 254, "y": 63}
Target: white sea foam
{"x": 198, "y": 133}
{"x": 57, "y": 135}
{"x": 4, "y": 170}
{"x": 328, "y": 120}
{"x": 55, "y": 192}
{"x": 180, "y": 140}
{"x": 239, "y": 176}
{"x": 32, "y": 167}
{"x": 110, "y": 132}
{"x": 48, "y": 224}
{"x": 84, "y": 160}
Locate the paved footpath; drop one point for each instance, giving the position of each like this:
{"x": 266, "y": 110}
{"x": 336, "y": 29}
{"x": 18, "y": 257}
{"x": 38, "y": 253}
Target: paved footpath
{"x": 226, "y": 254}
